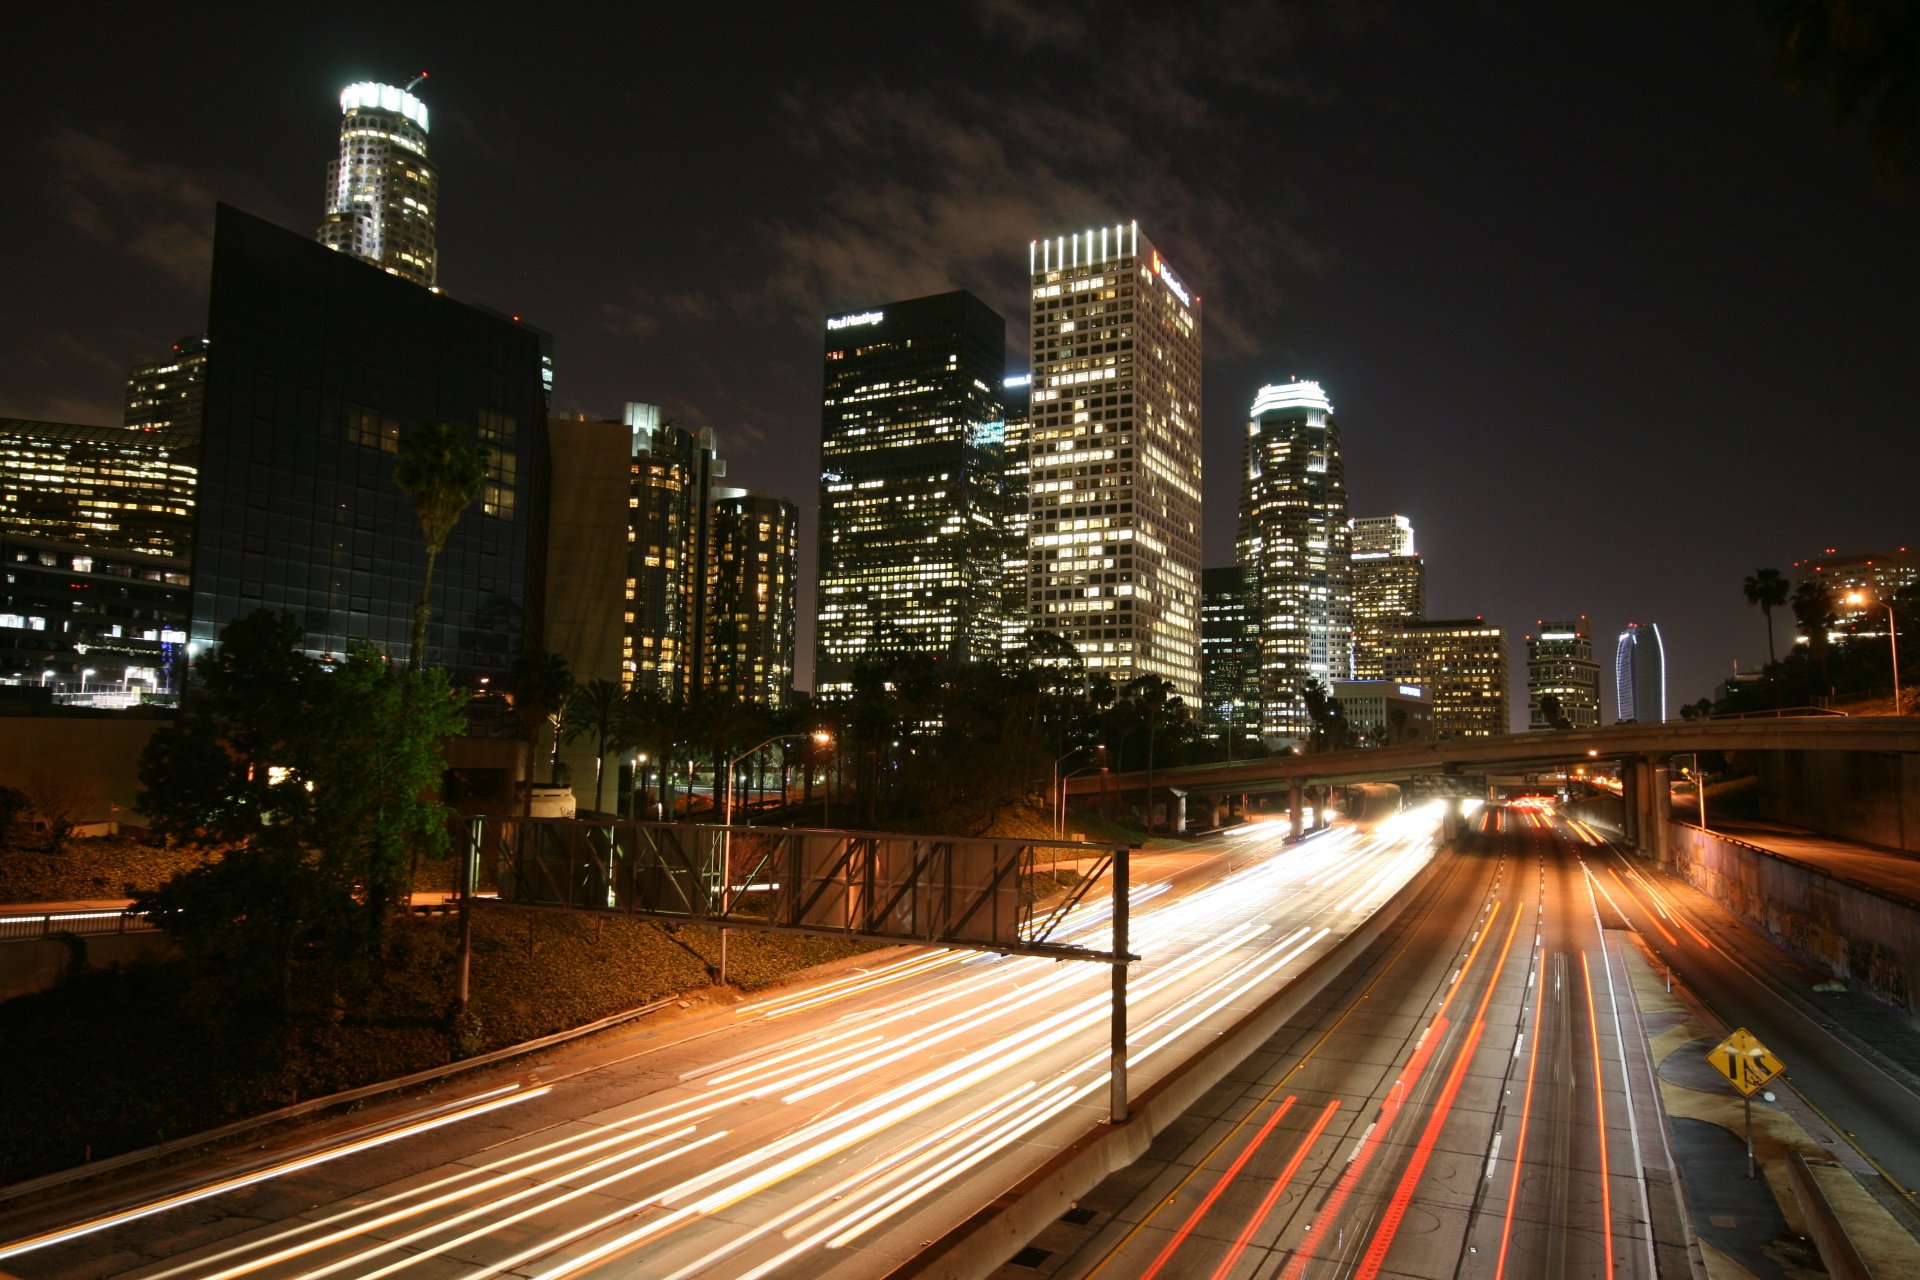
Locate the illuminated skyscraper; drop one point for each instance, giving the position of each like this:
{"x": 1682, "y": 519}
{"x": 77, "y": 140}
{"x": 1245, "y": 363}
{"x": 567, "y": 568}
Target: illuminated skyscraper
{"x": 1294, "y": 543}
{"x": 1113, "y": 531}
{"x": 669, "y": 533}
{"x": 383, "y": 194}
{"x": 1229, "y": 657}
{"x": 913, "y": 524}
{"x": 170, "y": 394}
{"x": 1462, "y": 664}
{"x": 1389, "y": 587}
{"x": 1640, "y": 675}
{"x": 1014, "y": 390}
{"x": 1561, "y": 665}
{"x": 752, "y": 597}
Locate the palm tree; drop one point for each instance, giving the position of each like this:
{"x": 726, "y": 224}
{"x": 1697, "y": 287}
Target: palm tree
{"x": 442, "y": 470}
{"x": 1152, "y": 693}
{"x": 538, "y": 682}
{"x": 1813, "y": 609}
{"x": 595, "y": 708}
{"x": 1768, "y": 589}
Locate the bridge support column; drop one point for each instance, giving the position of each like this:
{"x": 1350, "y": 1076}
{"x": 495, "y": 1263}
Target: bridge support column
{"x": 1323, "y": 800}
{"x": 1294, "y": 829}
{"x": 1179, "y": 811}
{"x": 1453, "y": 824}
{"x": 1647, "y": 805}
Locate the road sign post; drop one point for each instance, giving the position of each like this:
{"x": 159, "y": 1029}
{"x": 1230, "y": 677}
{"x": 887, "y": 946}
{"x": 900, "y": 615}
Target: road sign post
{"x": 1747, "y": 1064}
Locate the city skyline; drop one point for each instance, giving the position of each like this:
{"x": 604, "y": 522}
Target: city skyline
{"x": 1706, "y": 313}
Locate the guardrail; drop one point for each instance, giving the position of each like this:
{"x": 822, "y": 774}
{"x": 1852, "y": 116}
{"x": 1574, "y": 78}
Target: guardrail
{"x": 48, "y": 924}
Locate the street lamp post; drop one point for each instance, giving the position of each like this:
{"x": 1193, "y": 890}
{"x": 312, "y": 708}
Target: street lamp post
{"x": 726, "y": 834}
{"x": 1893, "y": 638}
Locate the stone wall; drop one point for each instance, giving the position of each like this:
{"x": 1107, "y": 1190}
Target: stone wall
{"x": 1857, "y": 933}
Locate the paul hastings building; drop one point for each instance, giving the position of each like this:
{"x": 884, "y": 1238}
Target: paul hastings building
{"x": 317, "y": 364}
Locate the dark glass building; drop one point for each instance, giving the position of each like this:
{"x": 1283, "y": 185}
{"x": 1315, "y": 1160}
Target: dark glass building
{"x": 913, "y": 519}
{"x": 754, "y": 592}
{"x": 1229, "y": 657}
{"x": 317, "y": 364}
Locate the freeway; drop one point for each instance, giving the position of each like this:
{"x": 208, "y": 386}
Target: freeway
{"x": 831, "y": 1129}
{"x": 1462, "y": 1103}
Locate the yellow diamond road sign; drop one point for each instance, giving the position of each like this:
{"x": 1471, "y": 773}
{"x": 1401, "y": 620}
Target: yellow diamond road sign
{"x": 1745, "y": 1061}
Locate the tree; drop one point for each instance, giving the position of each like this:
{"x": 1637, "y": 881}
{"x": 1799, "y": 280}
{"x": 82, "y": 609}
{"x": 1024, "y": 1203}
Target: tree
{"x": 1768, "y": 589}
{"x": 1550, "y": 712}
{"x": 442, "y": 470}
{"x": 594, "y": 709}
{"x": 1866, "y": 55}
{"x": 318, "y": 786}
{"x": 1813, "y": 610}
{"x": 537, "y": 683}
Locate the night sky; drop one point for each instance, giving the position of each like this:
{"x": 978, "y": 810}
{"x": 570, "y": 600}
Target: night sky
{"x": 1609, "y": 314}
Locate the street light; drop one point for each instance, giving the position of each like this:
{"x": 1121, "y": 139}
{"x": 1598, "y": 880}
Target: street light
{"x": 1060, "y": 826}
{"x": 726, "y": 833}
{"x": 1893, "y": 637}
{"x": 639, "y": 785}
{"x": 1059, "y": 797}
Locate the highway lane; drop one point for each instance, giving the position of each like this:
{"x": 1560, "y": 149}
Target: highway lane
{"x": 1457, "y": 1105}
{"x": 827, "y": 1130}
{"x": 1746, "y": 980}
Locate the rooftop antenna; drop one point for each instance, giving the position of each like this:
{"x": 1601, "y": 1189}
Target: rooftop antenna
{"x": 416, "y": 80}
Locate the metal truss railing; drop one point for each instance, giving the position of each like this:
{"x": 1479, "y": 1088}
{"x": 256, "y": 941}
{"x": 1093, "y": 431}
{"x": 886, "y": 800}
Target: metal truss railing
{"x": 946, "y": 891}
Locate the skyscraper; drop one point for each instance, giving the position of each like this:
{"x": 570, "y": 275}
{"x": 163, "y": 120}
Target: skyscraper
{"x": 95, "y": 527}
{"x": 383, "y": 194}
{"x": 317, "y": 365}
{"x": 1389, "y": 587}
{"x": 1014, "y": 480}
{"x": 1294, "y": 542}
{"x": 913, "y": 523}
{"x": 1462, "y": 664}
{"x": 669, "y": 535}
{"x": 1561, "y": 665}
{"x": 1114, "y": 508}
{"x": 1640, "y": 674}
{"x": 753, "y": 597}
{"x": 1229, "y": 656}
{"x": 170, "y": 394}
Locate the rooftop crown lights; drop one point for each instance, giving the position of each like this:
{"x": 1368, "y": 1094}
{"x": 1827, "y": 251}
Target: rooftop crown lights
{"x": 1291, "y": 395}
{"x": 385, "y": 97}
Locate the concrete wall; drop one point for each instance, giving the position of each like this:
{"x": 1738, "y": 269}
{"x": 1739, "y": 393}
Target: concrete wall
{"x": 1603, "y": 813}
{"x": 1855, "y": 932}
{"x": 100, "y": 754}
{"x": 27, "y": 967}
{"x": 1861, "y": 795}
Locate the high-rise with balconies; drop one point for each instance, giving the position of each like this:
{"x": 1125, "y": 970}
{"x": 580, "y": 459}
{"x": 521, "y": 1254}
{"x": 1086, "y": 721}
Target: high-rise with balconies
{"x": 1113, "y": 533}
{"x": 383, "y": 194}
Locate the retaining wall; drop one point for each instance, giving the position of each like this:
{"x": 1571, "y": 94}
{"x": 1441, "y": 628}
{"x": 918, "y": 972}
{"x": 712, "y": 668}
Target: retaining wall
{"x": 1870, "y": 796}
{"x": 27, "y": 967}
{"x": 1855, "y": 931}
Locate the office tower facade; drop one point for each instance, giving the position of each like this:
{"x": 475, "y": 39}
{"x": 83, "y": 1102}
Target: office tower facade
{"x": 101, "y": 488}
{"x": 670, "y": 524}
{"x": 1295, "y": 543}
{"x": 1561, "y": 666}
{"x": 383, "y": 194}
{"x": 317, "y": 365}
{"x": 913, "y": 524}
{"x": 1389, "y": 587}
{"x": 1016, "y": 494}
{"x": 1876, "y": 575}
{"x": 1229, "y": 658}
{"x": 1640, "y": 674}
{"x": 95, "y": 527}
{"x": 170, "y": 394}
{"x": 754, "y": 595}
{"x": 1462, "y": 664}
{"x": 1385, "y": 713}
{"x": 1113, "y": 529}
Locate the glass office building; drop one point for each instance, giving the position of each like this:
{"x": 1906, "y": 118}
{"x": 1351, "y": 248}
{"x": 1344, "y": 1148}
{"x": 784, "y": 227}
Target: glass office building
{"x": 317, "y": 365}
{"x": 913, "y": 520}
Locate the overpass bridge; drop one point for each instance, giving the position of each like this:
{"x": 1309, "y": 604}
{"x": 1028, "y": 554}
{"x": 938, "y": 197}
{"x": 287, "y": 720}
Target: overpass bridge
{"x": 1640, "y": 750}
